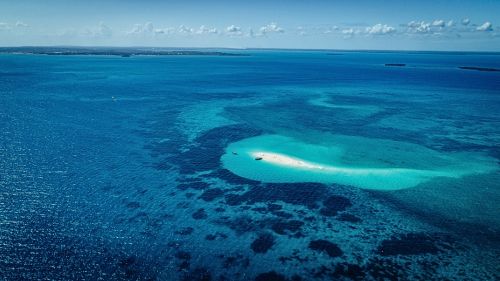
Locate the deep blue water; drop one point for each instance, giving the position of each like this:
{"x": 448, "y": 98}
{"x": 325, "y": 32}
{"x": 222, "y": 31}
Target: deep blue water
{"x": 110, "y": 167}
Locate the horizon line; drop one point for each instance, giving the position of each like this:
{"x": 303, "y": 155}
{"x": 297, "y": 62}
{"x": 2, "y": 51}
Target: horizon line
{"x": 257, "y": 48}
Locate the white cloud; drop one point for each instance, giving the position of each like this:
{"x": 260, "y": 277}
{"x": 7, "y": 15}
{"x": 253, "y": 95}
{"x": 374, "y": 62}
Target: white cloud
{"x": 99, "y": 32}
{"x": 21, "y": 24}
{"x": 103, "y": 30}
{"x": 5, "y": 26}
{"x": 380, "y": 29}
{"x": 349, "y": 32}
{"x": 271, "y": 28}
{"x": 466, "y": 21}
{"x": 206, "y": 30}
{"x": 301, "y": 30}
{"x": 167, "y": 30}
{"x": 419, "y": 27}
{"x": 487, "y": 26}
{"x": 438, "y": 23}
{"x": 149, "y": 27}
{"x": 234, "y": 30}
{"x": 138, "y": 29}
{"x": 185, "y": 30}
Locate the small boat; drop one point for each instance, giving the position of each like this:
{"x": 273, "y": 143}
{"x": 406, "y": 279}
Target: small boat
{"x": 235, "y": 153}
{"x": 258, "y": 158}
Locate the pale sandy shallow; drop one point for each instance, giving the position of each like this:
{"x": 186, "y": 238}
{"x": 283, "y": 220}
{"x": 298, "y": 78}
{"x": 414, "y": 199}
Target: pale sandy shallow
{"x": 353, "y": 161}
{"x": 285, "y": 160}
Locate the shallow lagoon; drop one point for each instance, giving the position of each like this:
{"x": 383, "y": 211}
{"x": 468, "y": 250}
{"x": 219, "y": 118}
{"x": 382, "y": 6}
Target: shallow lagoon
{"x": 358, "y": 162}
{"x": 122, "y": 168}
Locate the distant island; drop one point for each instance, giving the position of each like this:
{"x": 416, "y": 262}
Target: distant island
{"x": 108, "y": 51}
{"x": 395, "y": 64}
{"x": 479, "y": 68}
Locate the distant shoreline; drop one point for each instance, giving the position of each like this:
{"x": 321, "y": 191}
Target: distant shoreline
{"x": 109, "y": 51}
{"x": 142, "y": 50}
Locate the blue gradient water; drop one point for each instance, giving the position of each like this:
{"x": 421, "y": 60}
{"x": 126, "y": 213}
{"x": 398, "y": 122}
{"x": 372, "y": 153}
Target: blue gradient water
{"x": 111, "y": 167}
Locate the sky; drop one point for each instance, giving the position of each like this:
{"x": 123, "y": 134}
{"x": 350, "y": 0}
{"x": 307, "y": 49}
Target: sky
{"x": 447, "y": 25}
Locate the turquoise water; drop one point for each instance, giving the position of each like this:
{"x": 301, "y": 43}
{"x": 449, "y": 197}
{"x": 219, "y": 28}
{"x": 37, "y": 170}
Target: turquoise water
{"x": 144, "y": 168}
{"x": 359, "y": 162}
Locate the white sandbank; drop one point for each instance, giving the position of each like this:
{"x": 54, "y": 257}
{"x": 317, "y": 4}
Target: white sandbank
{"x": 285, "y": 160}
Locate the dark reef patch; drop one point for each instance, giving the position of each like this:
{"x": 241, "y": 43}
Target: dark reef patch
{"x": 350, "y": 271}
{"x": 185, "y": 231}
{"x": 217, "y": 235}
{"x": 211, "y": 194}
{"x": 205, "y": 156}
{"x": 305, "y": 194}
{"x": 200, "y": 214}
{"x": 199, "y": 274}
{"x": 263, "y": 243}
{"x": 133, "y": 205}
{"x": 270, "y": 276}
{"x": 197, "y": 185}
{"x": 229, "y": 177}
{"x": 413, "y": 244}
{"x": 385, "y": 269}
{"x": 286, "y": 227}
{"x": 326, "y": 246}
{"x": 349, "y": 218}
{"x": 334, "y": 204}
{"x": 242, "y": 224}
{"x": 245, "y": 224}
{"x": 183, "y": 255}
{"x": 374, "y": 269}
{"x": 236, "y": 261}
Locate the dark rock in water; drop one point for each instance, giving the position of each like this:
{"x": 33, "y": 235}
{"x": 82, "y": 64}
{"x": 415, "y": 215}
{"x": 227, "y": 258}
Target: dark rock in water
{"x": 349, "y": 218}
{"x": 200, "y": 214}
{"x": 334, "y": 204}
{"x": 326, "y": 246}
{"x": 395, "y": 64}
{"x": 210, "y": 194}
{"x": 479, "y": 68}
{"x": 270, "y": 276}
{"x": 185, "y": 231}
{"x": 409, "y": 244}
{"x": 263, "y": 243}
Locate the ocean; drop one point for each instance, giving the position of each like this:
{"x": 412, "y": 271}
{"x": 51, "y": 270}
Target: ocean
{"x": 275, "y": 165}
